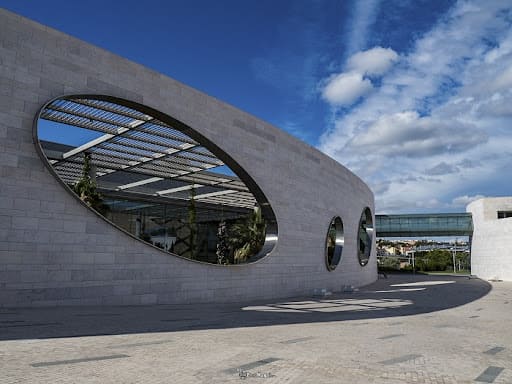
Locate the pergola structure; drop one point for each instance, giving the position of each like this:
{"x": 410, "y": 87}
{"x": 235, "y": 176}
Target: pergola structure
{"x": 137, "y": 155}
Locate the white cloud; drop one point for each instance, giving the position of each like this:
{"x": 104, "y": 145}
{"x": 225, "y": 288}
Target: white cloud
{"x": 375, "y": 61}
{"x": 503, "y": 81}
{"x": 462, "y": 201}
{"x": 441, "y": 169}
{"x": 364, "y": 15}
{"x": 467, "y": 163}
{"x": 437, "y": 124}
{"x": 432, "y": 203}
{"x": 496, "y": 106}
{"x": 346, "y": 88}
{"x": 406, "y": 134}
{"x": 503, "y": 50}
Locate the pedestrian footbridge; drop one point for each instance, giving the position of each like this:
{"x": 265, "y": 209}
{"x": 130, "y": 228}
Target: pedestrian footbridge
{"x": 421, "y": 225}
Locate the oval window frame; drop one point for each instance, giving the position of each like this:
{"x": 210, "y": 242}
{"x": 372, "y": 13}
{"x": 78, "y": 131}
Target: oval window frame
{"x": 339, "y": 243}
{"x": 271, "y": 234}
{"x": 365, "y": 254}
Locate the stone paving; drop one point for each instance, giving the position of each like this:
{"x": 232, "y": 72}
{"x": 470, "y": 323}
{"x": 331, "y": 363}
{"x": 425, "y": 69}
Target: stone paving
{"x": 404, "y": 329}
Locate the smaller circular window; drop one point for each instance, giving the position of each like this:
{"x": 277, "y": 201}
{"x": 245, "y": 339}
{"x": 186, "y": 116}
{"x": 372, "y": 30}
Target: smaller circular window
{"x": 365, "y": 236}
{"x": 334, "y": 243}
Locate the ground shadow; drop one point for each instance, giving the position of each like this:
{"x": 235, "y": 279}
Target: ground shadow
{"x": 398, "y": 295}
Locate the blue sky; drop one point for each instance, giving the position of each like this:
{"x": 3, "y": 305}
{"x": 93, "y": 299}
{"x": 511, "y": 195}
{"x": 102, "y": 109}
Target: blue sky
{"x": 412, "y": 96}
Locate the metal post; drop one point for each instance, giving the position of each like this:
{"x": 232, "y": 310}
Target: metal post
{"x": 470, "y": 251}
{"x": 137, "y": 227}
{"x": 413, "y": 264}
{"x": 454, "y": 250}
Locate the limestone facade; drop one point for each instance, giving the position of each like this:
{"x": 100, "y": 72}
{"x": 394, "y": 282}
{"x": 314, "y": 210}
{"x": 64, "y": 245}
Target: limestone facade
{"x": 56, "y": 251}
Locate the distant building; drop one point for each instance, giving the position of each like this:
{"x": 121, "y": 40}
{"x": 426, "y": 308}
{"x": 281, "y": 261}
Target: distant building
{"x": 491, "y": 249}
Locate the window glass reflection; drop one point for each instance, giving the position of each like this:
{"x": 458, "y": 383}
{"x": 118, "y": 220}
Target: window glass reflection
{"x": 365, "y": 236}
{"x": 334, "y": 243}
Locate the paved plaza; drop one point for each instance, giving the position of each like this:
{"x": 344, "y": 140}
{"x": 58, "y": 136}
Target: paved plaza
{"x": 404, "y": 329}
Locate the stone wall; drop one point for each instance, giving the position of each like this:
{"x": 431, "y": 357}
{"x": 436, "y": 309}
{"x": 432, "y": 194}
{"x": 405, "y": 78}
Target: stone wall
{"x": 55, "y": 251}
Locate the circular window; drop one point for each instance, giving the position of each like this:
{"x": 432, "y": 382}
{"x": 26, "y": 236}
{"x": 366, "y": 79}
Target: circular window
{"x": 334, "y": 243}
{"x": 365, "y": 236}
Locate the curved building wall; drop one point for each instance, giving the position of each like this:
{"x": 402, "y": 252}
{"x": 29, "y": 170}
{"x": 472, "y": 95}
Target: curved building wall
{"x": 56, "y": 251}
{"x": 491, "y": 249}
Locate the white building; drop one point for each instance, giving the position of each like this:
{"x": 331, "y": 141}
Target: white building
{"x": 491, "y": 250}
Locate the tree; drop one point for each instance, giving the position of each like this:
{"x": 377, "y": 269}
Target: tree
{"x": 436, "y": 260}
{"x": 85, "y": 188}
{"x": 222, "y": 245}
{"x": 389, "y": 263}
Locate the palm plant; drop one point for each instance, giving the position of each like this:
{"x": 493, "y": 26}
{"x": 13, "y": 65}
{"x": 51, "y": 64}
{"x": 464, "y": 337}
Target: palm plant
{"x": 248, "y": 237}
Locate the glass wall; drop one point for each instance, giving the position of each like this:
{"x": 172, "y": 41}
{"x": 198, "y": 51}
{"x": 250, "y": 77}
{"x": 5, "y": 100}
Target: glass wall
{"x": 194, "y": 231}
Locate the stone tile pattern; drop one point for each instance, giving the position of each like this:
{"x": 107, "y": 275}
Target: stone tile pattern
{"x": 55, "y": 251}
{"x": 346, "y": 349}
{"x": 491, "y": 248}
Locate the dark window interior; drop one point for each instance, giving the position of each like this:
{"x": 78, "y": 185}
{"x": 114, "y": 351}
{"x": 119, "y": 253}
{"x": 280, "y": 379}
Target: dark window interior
{"x": 504, "y": 214}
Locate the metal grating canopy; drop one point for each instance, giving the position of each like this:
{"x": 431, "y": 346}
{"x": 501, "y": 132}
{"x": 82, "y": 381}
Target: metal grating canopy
{"x": 134, "y": 151}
